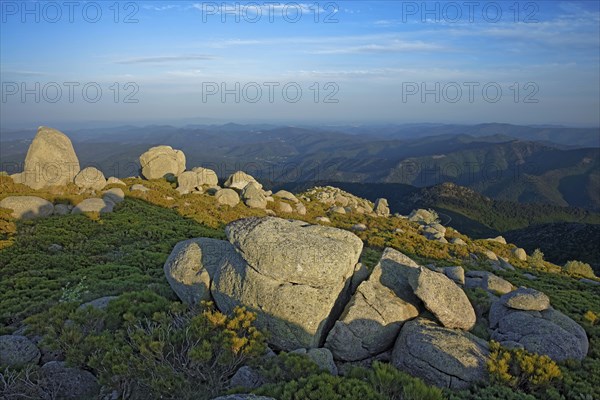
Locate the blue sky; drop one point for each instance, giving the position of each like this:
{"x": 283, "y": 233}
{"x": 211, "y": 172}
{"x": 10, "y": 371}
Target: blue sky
{"x": 372, "y": 58}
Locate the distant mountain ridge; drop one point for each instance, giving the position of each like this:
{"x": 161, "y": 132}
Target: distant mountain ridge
{"x": 488, "y": 158}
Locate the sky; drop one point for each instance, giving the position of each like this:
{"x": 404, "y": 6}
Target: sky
{"x": 350, "y": 62}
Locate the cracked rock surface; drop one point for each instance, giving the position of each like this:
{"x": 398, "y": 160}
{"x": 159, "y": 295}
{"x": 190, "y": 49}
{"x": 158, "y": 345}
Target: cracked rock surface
{"x": 447, "y": 358}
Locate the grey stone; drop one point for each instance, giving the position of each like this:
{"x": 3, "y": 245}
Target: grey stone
{"x": 289, "y": 272}
{"x": 548, "y": 332}
{"x": 227, "y": 197}
{"x": 457, "y": 274}
{"x": 443, "y": 357}
{"x": 324, "y": 359}
{"x": 100, "y": 303}
{"x": 239, "y": 180}
{"x": 17, "y": 351}
{"x": 284, "y": 194}
{"x": 382, "y": 208}
{"x": 138, "y": 187}
{"x": 93, "y": 205}
{"x": 443, "y": 298}
{"x": 62, "y": 209}
{"x": 458, "y": 242}
{"x": 526, "y": 299}
{"x": 90, "y": 178}
{"x": 50, "y": 160}
{"x": 253, "y": 196}
{"x": 246, "y": 377}
{"x": 372, "y": 319}
{"x": 27, "y": 207}
{"x": 70, "y": 383}
{"x": 116, "y": 195}
{"x": 191, "y": 266}
{"x": 206, "y": 176}
{"x": 161, "y": 161}
{"x": 519, "y": 254}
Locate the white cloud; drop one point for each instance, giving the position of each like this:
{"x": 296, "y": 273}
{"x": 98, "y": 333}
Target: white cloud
{"x": 165, "y": 59}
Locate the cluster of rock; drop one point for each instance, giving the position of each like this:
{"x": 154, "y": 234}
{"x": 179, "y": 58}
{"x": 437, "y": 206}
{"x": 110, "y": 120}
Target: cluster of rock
{"x": 17, "y": 351}
{"x": 341, "y": 202}
{"x": 313, "y": 296}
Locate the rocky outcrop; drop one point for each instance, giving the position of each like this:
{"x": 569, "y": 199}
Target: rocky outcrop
{"x": 17, "y": 351}
{"x": 422, "y": 216}
{"x": 524, "y": 318}
{"x": 160, "y": 161}
{"x": 443, "y": 357}
{"x": 382, "y": 208}
{"x": 93, "y": 205}
{"x": 90, "y": 178}
{"x": 239, "y": 180}
{"x": 372, "y": 319}
{"x": 50, "y": 160}
{"x": 443, "y": 298}
{"x": 227, "y": 197}
{"x": 191, "y": 266}
{"x": 294, "y": 275}
{"x": 332, "y": 196}
{"x": 27, "y": 207}
{"x": 253, "y": 196}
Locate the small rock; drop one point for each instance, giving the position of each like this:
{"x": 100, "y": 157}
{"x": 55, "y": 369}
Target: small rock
{"x": 18, "y": 351}
{"x": 284, "y": 194}
{"x": 498, "y": 239}
{"x": 138, "y": 187}
{"x": 323, "y": 219}
{"x": 116, "y": 195}
{"x": 99, "y": 304}
{"x": 284, "y": 207}
{"x": 490, "y": 255}
{"x": 589, "y": 281}
{"x": 71, "y": 383}
{"x": 62, "y": 209}
{"x": 359, "y": 227}
{"x": 301, "y": 209}
{"x": 526, "y": 299}
{"x": 457, "y": 274}
{"x": 338, "y": 210}
{"x": 324, "y": 359}
{"x": 93, "y": 205}
{"x": 382, "y": 208}
{"x": 227, "y": 197}
{"x": 247, "y": 378}
{"x": 519, "y": 254}
{"x": 54, "y": 247}
{"x": 529, "y": 276}
{"x": 90, "y": 178}
{"x": 115, "y": 181}
{"x": 458, "y": 242}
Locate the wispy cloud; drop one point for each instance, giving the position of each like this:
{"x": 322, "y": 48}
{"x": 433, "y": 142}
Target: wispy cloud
{"x": 23, "y": 73}
{"x": 165, "y": 59}
{"x": 393, "y": 47}
{"x": 153, "y": 7}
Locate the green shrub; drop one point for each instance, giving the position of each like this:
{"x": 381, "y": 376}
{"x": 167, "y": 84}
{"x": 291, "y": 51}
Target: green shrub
{"x": 320, "y": 387}
{"x": 490, "y": 392}
{"x": 579, "y": 268}
{"x": 537, "y": 259}
{"x": 393, "y": 384}
{"x": 520, "y": 369}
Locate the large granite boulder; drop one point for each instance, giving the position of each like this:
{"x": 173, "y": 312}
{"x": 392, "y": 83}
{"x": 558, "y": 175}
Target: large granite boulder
{"x": 372, "y": 319}
{"x": 519, "y": 254}
{"x": 50, "y": 160}
{"x": 444, "y": 357}
{"x": 187, "y": 181}
{"x": 544, "y": 331}
{"x": 239, "y": 180}
{"x": 27, "y": 207}
{"x": 114, "y": 195}
{"x": 17, "y": 351}
{"x": 191, "y": 266}
{"x": 294, "y": 275}
{"x": 444, "y": 298}
{"x": 90, "y": 178}
{"x": 162, "y": 160}
{"x": 284, "y": 194}
{"x": 488, "y": 281}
